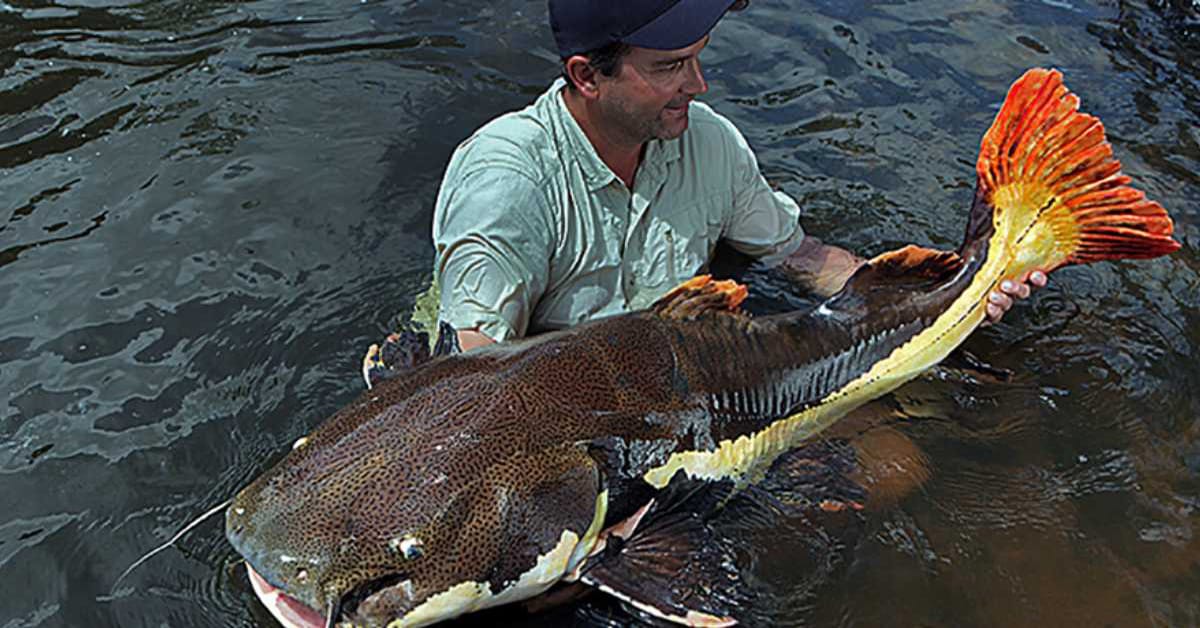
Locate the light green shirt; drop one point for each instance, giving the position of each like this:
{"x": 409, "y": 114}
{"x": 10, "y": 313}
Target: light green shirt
{"x": 534, "y": 232}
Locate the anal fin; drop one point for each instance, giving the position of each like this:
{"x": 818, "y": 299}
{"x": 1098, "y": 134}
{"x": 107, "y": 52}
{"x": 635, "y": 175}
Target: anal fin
{"x": 814, "y": 479}
{"x": 674, "y": 566}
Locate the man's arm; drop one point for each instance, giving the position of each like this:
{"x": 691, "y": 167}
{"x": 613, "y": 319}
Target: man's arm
{"x": 824, "y": 269}
{"x": 765, "y": 223}
{"x": 819, "y": 267}
{"x": 492, "y": 250}
{"x": 472, "y": 338}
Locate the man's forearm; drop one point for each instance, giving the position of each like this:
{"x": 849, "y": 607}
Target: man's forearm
{"x": 822, "y": 268}
{"x": 471, "y": 338}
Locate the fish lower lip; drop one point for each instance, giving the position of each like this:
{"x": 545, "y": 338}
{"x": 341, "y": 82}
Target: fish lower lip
{"x": 288, "y": 611}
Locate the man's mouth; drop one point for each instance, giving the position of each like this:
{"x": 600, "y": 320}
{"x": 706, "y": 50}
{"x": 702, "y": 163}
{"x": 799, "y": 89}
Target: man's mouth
{"x": 678, "y": 109}
{"x": 286, "y": 609}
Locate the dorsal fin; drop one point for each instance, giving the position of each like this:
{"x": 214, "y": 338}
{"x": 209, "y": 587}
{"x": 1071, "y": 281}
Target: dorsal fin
{"x": 914, "y": 262}
{"x": 701, "y": 295}
{"x": 911, "y": 264}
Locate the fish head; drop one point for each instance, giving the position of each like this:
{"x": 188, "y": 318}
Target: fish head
{"x": 378, "y": 522}
{"x": 341, "y": 543}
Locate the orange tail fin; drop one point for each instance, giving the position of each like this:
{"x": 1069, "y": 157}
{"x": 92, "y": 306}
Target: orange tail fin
{"x": 1057, "y": 194}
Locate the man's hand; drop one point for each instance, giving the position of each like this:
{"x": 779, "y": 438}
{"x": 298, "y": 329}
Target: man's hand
{"x": 822, "y": 268}
{"x": 999, "y": 301}
{"x": 470, "y": 338}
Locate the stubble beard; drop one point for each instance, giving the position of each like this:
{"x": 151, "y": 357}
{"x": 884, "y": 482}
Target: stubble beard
{"x": 667, "y": 133}
{"x": 640, "y": 126}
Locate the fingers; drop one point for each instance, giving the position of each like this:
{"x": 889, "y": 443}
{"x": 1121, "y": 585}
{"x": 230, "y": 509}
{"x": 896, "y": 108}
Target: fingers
{"x": 999, "y": 301}
{"x": 1019, "y": 290}
{"x": 998, "y": 304}
{"x": 370, "y": 362}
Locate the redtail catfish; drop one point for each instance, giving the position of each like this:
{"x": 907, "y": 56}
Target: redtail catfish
{"x": 483, "y": 478}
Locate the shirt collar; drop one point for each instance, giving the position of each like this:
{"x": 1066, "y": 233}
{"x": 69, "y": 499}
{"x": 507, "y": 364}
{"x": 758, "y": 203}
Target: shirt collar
{"x": 659, "y": 153}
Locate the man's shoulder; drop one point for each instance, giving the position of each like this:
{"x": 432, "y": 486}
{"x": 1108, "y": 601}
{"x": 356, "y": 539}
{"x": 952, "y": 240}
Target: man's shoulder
{"x": 708, "y": 124}
{"x": 523, "y": 141}
{"x": 712, "y": 141}
{"x": 713, "y": 138}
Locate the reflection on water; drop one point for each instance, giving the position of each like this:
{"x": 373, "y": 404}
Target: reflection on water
{"x": 211, "y": 207}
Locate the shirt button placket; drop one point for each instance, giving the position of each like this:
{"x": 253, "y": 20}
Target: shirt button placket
{"x": 632, "y": 249}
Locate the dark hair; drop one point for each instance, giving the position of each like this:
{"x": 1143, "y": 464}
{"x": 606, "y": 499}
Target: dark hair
{"x": 605, "y": 60}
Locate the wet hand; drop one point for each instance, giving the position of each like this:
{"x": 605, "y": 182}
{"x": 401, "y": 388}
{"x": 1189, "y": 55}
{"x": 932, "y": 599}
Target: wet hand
{"x": 999, "y": 301}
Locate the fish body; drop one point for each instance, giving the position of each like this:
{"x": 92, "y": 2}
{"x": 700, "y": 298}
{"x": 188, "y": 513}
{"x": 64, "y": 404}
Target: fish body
{"x": 483, "y": 478}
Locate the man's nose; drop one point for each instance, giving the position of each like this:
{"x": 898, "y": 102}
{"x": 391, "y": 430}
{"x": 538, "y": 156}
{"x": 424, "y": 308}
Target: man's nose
{"x": 695, "y": 83}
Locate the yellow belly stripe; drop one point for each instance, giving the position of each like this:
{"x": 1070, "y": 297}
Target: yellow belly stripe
{"x": 469, "y": 596}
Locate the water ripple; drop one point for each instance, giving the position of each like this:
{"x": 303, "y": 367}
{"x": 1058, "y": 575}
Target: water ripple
{"x": 212, "y": 206}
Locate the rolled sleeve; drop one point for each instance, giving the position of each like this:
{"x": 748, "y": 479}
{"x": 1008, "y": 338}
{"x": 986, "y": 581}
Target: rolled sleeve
{"x": 765, "y": 222}
{"x": 492, "y": 252}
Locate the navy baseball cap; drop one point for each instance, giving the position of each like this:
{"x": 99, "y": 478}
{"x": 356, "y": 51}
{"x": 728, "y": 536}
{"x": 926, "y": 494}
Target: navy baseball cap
{"x": 585, "y": 25}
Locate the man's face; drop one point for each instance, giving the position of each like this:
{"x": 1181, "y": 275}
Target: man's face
{"x": 648, "y": 98}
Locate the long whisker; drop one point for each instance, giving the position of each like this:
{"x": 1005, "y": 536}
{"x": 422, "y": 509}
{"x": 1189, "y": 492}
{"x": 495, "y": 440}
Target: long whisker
{"x": 332, "y": 614}
{"x": 178, "y": 535}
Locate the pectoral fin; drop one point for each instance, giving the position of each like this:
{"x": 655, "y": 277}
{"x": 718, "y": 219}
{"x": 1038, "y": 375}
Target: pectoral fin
{"x": 405, "y": 349}
{"x": 673, "y": 566}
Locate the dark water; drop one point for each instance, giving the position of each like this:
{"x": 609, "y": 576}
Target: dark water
{"x": 208, "y": 209}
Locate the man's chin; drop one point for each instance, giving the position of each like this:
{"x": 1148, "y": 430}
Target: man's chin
{"x": 672, "y": 126}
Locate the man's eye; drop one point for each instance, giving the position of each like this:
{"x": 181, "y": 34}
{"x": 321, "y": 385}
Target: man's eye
{"x": 675, "y": 65}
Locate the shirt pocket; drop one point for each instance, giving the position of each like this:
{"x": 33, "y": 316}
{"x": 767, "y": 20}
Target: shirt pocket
{"x": 689, "y": 236}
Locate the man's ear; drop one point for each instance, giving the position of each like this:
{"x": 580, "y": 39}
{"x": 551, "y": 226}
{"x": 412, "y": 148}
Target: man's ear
{"x": 582, "y": 75}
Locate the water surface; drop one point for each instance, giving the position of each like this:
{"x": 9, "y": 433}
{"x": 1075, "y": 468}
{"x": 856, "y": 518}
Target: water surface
{"x": 210, "y": 208}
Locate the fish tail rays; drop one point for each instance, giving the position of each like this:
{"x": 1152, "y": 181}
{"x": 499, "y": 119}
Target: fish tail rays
{"x": 1051, "y": 189}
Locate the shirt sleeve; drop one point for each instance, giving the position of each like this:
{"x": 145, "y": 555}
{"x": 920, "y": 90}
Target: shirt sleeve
{"x": 765, "y": 222}
{"x": 493, "y": 252}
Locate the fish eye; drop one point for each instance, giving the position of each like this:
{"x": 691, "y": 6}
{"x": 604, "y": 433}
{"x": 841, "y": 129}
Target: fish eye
{"x": 408, "y": 546}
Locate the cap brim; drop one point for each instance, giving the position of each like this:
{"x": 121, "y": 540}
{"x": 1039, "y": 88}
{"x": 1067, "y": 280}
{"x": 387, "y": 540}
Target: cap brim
{"x": 680, "y": 26}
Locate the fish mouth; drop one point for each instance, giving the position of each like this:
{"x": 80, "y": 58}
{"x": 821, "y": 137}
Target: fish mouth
{"x": 287, "y": 610}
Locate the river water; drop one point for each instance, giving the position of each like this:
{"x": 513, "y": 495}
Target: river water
{"x": 209, "y": 208}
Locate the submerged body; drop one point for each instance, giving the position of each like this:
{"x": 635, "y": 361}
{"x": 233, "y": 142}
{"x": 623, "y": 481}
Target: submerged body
{"x": 483, "y": 478}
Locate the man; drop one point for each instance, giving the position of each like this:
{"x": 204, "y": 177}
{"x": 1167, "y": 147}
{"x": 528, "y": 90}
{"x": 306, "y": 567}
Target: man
{"x": 615, "y": 185}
